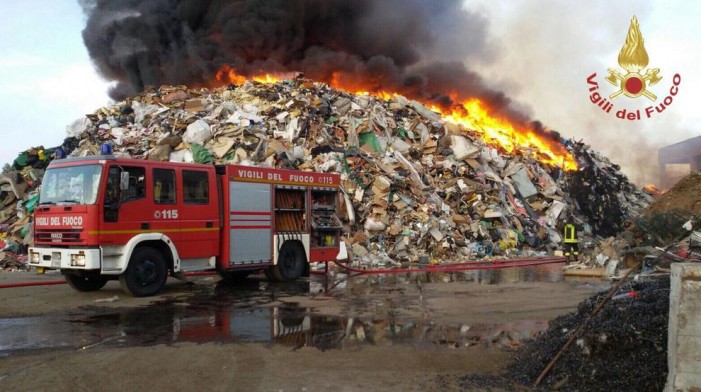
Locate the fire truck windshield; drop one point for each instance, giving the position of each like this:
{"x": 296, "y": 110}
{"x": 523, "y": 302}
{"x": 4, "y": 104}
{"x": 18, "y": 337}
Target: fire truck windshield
{"x": 71, "y": 185}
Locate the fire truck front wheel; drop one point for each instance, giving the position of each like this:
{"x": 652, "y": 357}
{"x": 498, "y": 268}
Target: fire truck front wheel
{"x": 146, "y": 274}
{"x": 290, "y": 263}
{"x": 84, "y": 282}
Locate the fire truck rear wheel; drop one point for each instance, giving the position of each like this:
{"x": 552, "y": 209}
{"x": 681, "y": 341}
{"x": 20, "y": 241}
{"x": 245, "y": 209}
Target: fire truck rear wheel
{"x": 290, "y": 263}
{"x": 85, "y": 283}
{"x": 146, "y": 274}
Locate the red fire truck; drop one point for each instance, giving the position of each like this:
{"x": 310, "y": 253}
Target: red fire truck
{"x": 103, "y": 218}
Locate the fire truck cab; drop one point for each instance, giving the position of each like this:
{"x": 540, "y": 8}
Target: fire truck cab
{"x": 103, "y": 218}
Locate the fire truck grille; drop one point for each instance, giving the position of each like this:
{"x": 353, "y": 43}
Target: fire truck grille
{"x": 60, "y": 235}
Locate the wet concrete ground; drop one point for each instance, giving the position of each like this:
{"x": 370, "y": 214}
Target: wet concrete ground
{"x": 424, "y": 310}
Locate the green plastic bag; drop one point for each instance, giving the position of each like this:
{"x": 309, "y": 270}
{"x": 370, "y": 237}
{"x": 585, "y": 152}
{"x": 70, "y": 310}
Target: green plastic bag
{"x": 30, "y": 203}
{"x": 21, "y": 160}
{"x": 370, "y": 139}
{"x": 201, "y": 155}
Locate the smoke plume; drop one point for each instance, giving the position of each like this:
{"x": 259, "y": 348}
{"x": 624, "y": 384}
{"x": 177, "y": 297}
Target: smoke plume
{"x": 413, "y": 47}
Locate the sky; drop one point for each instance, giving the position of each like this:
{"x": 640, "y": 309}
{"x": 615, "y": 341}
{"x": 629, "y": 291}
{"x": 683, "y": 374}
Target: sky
{"x": 543, "y": 53}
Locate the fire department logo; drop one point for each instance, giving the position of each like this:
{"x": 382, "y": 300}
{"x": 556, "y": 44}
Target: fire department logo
{"x": 633, "y": 58}
{"x": 633, "y": 81}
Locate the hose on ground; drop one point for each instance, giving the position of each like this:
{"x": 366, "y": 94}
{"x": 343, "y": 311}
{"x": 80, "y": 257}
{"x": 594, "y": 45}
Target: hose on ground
{"x": 461, "y": 266}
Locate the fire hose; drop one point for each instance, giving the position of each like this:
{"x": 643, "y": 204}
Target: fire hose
{"x": 445, "y": 267}
{"x": 461, "y": 266}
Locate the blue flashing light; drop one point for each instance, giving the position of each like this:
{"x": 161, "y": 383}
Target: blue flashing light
{"x": 59, "y": 153}
{"x": 105, "y": 149}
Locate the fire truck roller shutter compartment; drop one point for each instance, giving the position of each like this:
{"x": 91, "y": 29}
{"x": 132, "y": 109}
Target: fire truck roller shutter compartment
{"x": 251, "y": 225}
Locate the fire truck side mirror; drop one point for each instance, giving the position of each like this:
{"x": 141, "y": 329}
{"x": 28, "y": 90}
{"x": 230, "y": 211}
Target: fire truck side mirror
{"x": 124, "y": 181}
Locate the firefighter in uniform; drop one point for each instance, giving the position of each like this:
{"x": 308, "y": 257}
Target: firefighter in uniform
{"x": 571, "y": 242}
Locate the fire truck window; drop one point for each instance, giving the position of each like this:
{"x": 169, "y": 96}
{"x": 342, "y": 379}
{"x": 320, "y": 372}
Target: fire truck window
{"x": 112, "y": 190}
{"x": 164, "y": 186}
{"x": 137, "y": 184}
{"x": 195, "y": 187}
{"x": 71, "y": 185}
{"x": 112, "y": 195}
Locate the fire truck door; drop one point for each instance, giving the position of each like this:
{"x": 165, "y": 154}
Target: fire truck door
{"x": 125, "y": 213}
{"x": 164, "y": 214}
{"x": 199, "y": 216}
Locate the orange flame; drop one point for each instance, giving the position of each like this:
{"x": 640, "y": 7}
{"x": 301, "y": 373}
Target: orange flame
{"x": 354, "y": 86}
{"x": 471, "y": 114}
{"x": 652, "y": 190}
{"x": 227, "y": 74}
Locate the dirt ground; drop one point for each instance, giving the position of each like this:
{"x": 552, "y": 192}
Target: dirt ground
{"x": 440, "y": 326}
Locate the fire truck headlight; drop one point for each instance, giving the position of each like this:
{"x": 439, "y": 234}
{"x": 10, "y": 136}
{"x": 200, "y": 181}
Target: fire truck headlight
{"x": 78, "y": 260}
{"x": 35, "y": 257}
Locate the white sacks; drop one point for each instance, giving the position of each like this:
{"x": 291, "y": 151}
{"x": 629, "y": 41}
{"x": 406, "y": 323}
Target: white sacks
{"x": 199, "y": 132}
{"x": 374, "y": 225}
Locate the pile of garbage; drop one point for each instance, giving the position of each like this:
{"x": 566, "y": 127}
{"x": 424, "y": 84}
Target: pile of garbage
{"x": 416, "y": 187}
{"x": 603, "y": 193}
{"x": 667, "y": 231}
{"x": 672, "y": 222}
{"x": 18, "y": 196}
{"x": 623, "y": 348}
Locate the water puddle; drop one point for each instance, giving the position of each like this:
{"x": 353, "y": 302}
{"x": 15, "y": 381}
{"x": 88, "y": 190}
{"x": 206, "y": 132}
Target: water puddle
{"x": 372, "y": 310}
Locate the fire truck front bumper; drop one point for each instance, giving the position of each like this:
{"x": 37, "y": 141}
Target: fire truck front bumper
{"x": 60, "y": 258}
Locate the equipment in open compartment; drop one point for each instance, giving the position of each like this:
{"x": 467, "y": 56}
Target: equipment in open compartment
{"x": 326, "y": 225}
{"x": 289, "y": 209}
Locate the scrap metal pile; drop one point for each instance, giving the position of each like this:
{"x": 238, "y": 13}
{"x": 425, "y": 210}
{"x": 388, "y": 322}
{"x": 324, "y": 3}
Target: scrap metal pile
{"x": 623, "y": 348}
{"x": 417, "y": 187}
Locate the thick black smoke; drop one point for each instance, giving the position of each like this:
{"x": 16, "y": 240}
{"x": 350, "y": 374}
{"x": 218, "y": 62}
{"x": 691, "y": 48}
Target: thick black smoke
{"x": 414, "y": 47}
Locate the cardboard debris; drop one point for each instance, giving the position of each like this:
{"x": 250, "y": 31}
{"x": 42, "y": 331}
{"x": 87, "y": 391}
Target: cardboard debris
{"x": 523, "y": 184}
{"x": 415, "y": 186}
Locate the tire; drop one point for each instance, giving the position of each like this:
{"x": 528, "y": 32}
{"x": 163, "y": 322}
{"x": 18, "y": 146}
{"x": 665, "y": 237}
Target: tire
{"x": 233, "y": 277}
{"x": 290, "y": 263}
{"x": 85, "y": 283}
{"x": 291, "y": 317}
{"x": 146, "y": 274}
